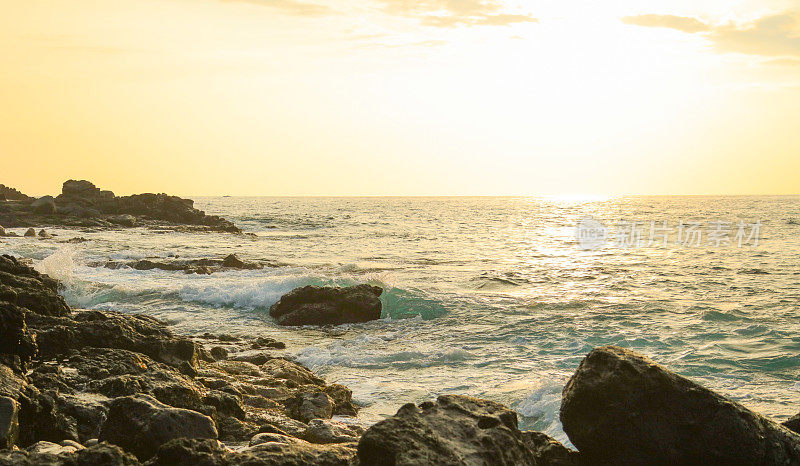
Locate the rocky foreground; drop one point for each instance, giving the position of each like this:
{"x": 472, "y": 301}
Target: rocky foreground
{"x": 80, "y": 387}
{"x": 82, "y": 204}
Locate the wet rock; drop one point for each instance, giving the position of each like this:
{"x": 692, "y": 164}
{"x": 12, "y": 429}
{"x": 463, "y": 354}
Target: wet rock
{"x": 30, "y": 232}
{"x": 44, "y": 205}
{"x": 282, "y": 369}
{"x": 328, "y": 431}
{"x": 9, "y": 422}
{"x": 44, "y": 234}
{"x": 141, "y": 424}
{"x": 124, "y": 220}
{"x": 793, "y": 423}
{"x": 2, "y": 231}
{"x": 454, "y": 430}
{"x": 27, "y": 288}
{"x": 233, "y": 262}
{"x": 622, "y": 408}
{"x": 257, "y": 358}
{"x": 314, "y": 305}
{"x": 263, "y": 342}
{"x": 548, "y": 451}
{"x": 342, "y": 400}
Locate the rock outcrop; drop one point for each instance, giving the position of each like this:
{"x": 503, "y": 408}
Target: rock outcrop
{"x": 315, "y": 305}
{"x": 27, "y": 288}
{"x": 11, "y": 194}
{"x": 622, "y": 408}
{"x": 454, "y": 430}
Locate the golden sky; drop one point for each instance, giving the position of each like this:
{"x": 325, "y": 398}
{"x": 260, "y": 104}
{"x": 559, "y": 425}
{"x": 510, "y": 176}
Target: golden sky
{"x": 401, "y": 97}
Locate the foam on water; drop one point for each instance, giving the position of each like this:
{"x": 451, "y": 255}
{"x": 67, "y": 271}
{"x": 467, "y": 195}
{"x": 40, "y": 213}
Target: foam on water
{"x": 489, "y": 297}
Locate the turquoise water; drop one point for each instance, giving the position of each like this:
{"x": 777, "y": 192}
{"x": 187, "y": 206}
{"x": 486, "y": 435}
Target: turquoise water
{"x": 491, "y": 297}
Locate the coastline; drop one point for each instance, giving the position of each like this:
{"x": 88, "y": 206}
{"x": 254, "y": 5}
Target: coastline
{"x": 90, "y": 366}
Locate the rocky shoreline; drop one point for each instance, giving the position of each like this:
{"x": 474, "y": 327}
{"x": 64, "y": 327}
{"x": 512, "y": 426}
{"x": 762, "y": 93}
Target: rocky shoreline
{"x": 83, "y": 205}
{"x": 85, "y": 387}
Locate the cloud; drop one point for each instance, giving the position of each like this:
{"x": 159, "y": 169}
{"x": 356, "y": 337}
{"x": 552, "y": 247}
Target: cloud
{"x": 774, "y": 36}
{"x": 782, "y": 62}
{"x": 293, "y": 7}
{"x": 680, "y": 23}
{"x": 452, "y": 13}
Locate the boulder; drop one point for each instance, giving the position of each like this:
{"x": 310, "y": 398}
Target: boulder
{"x": 30, "y": 232}
{"x": 98, "y": 454}
{"x": 314, "y": 305}
{"x": 328, "y": 431}
{"x": 233, "y": 262}
{"x": 793, "y": 423}
{"x": 27, "y": 288}
{"x": 17, "y": 344}
{"x": 2, "y": 231}
{"x": 79, "y": 188}
{"x": 141, "y": 424}
{"x": 44, "y": 234}
{"x": 622, "y": 408}
{"x": 454, "y": 430}
{"x": 310, "y": 404}
{"x": 44, "y": 205}
{"x": 9, "y": 422}
{"x": 124, "y": 220}
{"x": 549, "y": 451}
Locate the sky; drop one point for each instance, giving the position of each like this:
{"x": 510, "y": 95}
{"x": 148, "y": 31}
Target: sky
{"x": 401, "y": 97}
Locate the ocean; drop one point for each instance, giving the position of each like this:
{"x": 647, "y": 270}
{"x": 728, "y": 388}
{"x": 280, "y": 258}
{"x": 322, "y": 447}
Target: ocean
{"x": 498, "y": 298}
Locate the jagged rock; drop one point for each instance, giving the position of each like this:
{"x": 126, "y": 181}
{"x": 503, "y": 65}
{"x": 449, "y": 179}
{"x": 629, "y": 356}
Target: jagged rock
{"x": 314, "y": 305}
{"x": 12, "y": 194}
{"x": 30, "y": 232}
{"x": 212, "y": 453}
{"x": 548, "y": 451}
{"x": 233, "y": 262}
{"x": 27, "y": 288}
{"x": 17, "y": 344}
{"x": 99, "y": 454}
{"x": 342, "y": 400}
{"x": 44, "y": 205}
{"x": 108, "y": 329}
{"x": 454, "y": 430}
{"x": 219, "y": 353}
{"x": 141, "y": 424}
{"x": 622, "y": 408}
{"x": 328, "y": 431}
{"x": 9, "y": 422}
{"x": 793, "y": 423}
{"x": 44, "y": 234}
{"x": 263, "y": 342}
{"x": 310, "y": 404}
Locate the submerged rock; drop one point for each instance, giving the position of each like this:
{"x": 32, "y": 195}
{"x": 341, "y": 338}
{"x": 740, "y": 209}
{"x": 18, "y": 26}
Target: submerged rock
{"x": 141, "y": 424}
{"x": 454, "y": 430}
{"x": 315, "y": 305}
{"x": 622, "y": 408}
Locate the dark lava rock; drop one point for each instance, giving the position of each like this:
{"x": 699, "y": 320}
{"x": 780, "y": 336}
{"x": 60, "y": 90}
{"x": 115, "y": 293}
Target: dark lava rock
{"x": 455, "y": 430}
{"x": 141, "y": 424}
{"x": 314, "y": 305}
{"x": 622, "y": 408}
{"x": 233, "y": 262}
{"x": 27, "y": 288}
{"x": 17, "y": 344}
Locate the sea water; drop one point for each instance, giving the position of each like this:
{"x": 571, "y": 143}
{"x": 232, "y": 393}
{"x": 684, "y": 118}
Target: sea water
{"x": 489, "y": 297}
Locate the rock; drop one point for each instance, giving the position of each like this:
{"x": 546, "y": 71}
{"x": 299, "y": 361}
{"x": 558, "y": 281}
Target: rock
{"x": 124, "y": 220}
{"x": 287, "y": 370}
{"x": 2, "y": 231}
{"x": 27, "y": 288}
{"x": 11, "y": 194}
{"x": 44, "y": 234}
{"x": 99, "y": 454}
{"x": 44, "y": 205}
{"x": 327, "y": 431}
{"x": 30, "y": 232}
{"x": 108, "y": 329}
{"x": 141, "y": 425}
{"x": 268, "y": 437}
{"x": 50, "y": 448}
{"x": 263, "y": 342}
{"x": 233, "y": 262}
{"x": 622, "y": 408}
{"x": 212, "y": 453}
{"x": 17, "y": 344}
{"x": 9, "y": 422}
{"x": 793, "y": 423}
{"x": 342, "y": 400}
{"x": 548, "y": 451}
{"x": 219, "y": 353}
{"x": 311, "y": 404}
{"x": 79, "y": 188}
{"x": 455, "y": 430}
{"x": 314, "y": 305}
